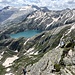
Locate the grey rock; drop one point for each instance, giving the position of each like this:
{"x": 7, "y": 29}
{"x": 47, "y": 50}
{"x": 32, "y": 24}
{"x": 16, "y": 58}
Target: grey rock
{"x": 67, "y": 60}
{"x": 46, "y": 64}
{"x": 73, "y": 60}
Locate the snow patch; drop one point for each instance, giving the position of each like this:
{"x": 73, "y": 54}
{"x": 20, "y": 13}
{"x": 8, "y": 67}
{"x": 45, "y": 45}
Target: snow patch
{"x": 25, "y": 8}
{"x": 31, "y": 16}
{"x": 7, "y": 46}
{"x": 43, "y": 35}
{"x": 30, "y": 50}
{"x": 54, "y": 20}
{"x": 8, "y": 69}
{"x": 10, "y": 8}
{"x": 16, "y": 51}
{"x": 36, "y": 53}
{"x": 39, "y": 15}
{"x": 1, "y": 55}
{"x": 34, "y": 9}
{"x": 52, "y": 74}
{"x": 73, "y": 27}
{"x": 9, "y": 74}
{"x": 26, "y": 41}
{"x": 8, "y": 62}
{"x": 57, "y": 46}
{"x": 31, "y": 53}
{"x": 49, "y": 24}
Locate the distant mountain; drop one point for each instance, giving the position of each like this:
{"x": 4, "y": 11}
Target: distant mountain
{"x": 11, "y": 13}
{"x": 6, "y": 12}
{"x": 34, "y": 6}
{"x": 5, "y": 8}
{"x": 33, "y": 17}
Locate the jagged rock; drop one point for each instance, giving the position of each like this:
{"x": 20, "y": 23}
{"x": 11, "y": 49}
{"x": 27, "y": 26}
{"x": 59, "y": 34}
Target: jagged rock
{"x": 68, "y": 44}
{"x": 4, "y": 36}
{"x": 67, "y": 60}
{"x": 46, "y": 64}
{"x": 16, "y": 44}
{"x": 5, "y": 42}
{"x": 73, "y": 60}
{"x": 39, "y": 19}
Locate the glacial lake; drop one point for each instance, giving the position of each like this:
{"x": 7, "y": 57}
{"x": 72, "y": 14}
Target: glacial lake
{"x": 27, "y": 34}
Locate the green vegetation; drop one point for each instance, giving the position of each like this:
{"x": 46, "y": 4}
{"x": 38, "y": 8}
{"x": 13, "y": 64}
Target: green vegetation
{"x": 25, "y": 61}
{"x": 57, "y": 67}
{"x": 2, "y": 70}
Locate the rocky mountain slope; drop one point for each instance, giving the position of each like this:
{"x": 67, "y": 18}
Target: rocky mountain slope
{"x": 30, "y": 17}
{"x": 52, "y": 52}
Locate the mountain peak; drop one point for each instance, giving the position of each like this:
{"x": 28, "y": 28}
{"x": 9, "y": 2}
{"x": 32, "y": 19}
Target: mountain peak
{"x": 7, "y": 7}
{"x": 34, "y": 6}
{"x": 44, "y": 9}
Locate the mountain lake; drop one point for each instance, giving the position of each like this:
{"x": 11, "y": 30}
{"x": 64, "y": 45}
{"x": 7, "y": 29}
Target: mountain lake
{"x": 27, "y": 34}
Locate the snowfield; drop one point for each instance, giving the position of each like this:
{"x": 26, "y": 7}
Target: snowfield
{"x": 8, "y": 62}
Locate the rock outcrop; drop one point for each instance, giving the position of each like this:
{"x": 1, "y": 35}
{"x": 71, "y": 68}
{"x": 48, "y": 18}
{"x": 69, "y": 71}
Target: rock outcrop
{"x": 58, "y": 61}
{"x": 37, "y": 19}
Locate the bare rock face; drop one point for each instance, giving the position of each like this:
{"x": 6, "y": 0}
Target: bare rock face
{"x": 60, "y": 60}
{"x": 45, "y": 66}
{"x": 4, "y": 36}
{"x": 23, "y": 19}
{"x": 55, "y": 62}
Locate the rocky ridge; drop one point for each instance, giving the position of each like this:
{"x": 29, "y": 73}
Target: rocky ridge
{"x": 27, "y": 18}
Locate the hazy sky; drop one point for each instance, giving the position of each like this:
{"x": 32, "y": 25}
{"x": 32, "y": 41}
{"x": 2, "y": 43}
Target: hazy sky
{"x": 52, "y": 4}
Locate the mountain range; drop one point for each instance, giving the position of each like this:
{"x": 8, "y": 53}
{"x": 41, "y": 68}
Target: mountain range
{"x": 52, "y": 52}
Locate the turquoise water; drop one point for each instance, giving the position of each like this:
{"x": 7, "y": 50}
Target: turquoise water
{"x": 27, "y": 34}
